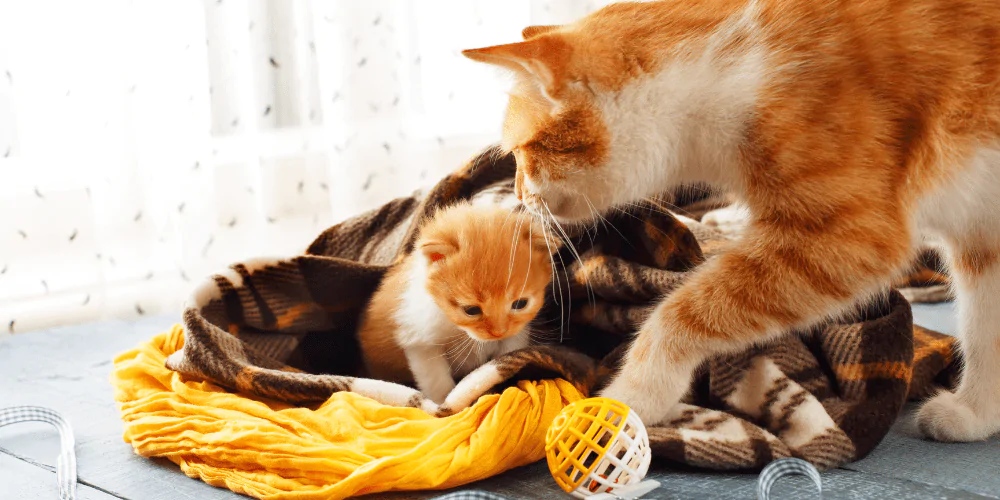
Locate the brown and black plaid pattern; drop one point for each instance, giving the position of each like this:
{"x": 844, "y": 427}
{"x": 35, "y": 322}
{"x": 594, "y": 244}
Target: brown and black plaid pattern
{"x": 285, "y": 329}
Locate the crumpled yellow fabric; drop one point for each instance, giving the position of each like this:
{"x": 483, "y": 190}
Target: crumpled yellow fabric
{"x": 349, "y": 445}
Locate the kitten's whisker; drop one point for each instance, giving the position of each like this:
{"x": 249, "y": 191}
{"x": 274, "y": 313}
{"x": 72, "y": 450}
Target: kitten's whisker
{"x": 458, "y": 347}
{"x": 472, "y": 346}
{"x": 466, "y": 345}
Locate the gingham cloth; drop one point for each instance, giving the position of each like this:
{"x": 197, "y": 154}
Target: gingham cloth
{"x": 66, "y": 462}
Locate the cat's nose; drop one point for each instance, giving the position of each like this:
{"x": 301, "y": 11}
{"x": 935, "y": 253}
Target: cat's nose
{"x": 519, "y": 185}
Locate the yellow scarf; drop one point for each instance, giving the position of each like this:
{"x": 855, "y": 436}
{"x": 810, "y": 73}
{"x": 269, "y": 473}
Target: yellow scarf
{"x": 349, "y": 445}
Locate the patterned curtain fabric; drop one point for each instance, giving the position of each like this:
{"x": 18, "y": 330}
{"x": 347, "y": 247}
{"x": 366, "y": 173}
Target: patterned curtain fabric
{"x": 145, "y": 144}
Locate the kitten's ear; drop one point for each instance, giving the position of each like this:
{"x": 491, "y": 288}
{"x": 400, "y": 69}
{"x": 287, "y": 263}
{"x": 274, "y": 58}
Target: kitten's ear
{"x": 549, "y": 244}
{"x": 543, "y": 58}
{"x": 533, "y": 31}
{"x": 436, "y": 250}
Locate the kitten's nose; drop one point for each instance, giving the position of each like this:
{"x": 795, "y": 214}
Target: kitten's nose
{"x": 493, "y": 330}
{"x": 494, "y": 333}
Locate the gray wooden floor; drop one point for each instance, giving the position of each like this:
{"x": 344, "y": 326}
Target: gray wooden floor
{"x": 67, "y": 369}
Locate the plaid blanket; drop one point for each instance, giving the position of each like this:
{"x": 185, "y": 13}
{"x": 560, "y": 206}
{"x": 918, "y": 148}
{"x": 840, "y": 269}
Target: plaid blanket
{"x": 285, "y": 329}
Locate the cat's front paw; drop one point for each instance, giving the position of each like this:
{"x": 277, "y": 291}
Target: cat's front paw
{"x": 647, "y": 402}
{"x": 946, "y": 417}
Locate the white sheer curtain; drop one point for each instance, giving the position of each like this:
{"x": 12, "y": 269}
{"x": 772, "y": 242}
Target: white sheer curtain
{"x": 145, "y": 144}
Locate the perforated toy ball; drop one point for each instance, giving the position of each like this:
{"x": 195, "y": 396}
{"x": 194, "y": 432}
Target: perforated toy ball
{"x": 596, "y": 446}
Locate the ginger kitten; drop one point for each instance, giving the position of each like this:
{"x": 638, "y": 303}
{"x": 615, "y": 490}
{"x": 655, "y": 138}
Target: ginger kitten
{"x": 477, "y": 277}
{"x": 846, "y": 128}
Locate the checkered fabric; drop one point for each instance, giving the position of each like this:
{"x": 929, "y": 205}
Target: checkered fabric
{"x": 66, "y": 462}
{"x": 285, "y": 329}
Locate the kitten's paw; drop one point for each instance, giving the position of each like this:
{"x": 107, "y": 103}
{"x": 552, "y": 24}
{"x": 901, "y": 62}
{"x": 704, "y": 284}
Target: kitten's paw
{"x": 946, "y": 417}
{"x": 438, "y": 392}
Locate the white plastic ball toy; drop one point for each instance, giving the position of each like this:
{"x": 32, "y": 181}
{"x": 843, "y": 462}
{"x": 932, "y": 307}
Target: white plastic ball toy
{"x": 598, "y": 448}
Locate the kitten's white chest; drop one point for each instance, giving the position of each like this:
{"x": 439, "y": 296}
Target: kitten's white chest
{"x": 420, "y": 320}
{"x": 422, "y": 323}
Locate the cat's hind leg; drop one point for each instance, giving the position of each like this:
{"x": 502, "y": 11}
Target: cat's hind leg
{"x": 972, "y": 412}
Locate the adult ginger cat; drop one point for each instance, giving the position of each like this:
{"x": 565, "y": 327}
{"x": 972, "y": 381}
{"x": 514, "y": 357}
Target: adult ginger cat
{"x": 845, "y": 127}
{"x": 477, "y": 277}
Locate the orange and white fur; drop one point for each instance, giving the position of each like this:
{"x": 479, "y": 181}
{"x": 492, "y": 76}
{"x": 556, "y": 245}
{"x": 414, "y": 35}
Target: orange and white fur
{"x": 845, "y": 128}
{"x": 477, "y": 277}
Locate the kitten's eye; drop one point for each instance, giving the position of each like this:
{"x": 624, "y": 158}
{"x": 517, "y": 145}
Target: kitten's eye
{"x": 519, "y": 304}
{"x": 473, "y": 310}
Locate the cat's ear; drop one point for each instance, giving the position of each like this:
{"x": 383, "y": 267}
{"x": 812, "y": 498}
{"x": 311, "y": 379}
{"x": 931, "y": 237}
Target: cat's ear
{"x": 542, "y": 58}
{"x": 533, "y": 31}
{"x": 436, "y": 250}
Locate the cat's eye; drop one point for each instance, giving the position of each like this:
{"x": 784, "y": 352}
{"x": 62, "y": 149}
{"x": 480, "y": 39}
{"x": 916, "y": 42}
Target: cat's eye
{"x": 519, "y": 304}
{"x": 473, "y": 310}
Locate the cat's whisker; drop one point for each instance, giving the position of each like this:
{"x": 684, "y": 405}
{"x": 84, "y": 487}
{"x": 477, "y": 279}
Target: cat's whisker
{"x": 669, "y": 236}
{"x": 569, "y": 243}
{"x": 507, "y": 219}
{"x": 597, "y": 216}
{"x": 527, "y": 269}
{"x": 608, "y": 223}
{"x": 651, "y": 208}
{"x": 513, "y": 251}
{"x": 663, "y": 207}
{"x": 591, "y": 296}
{"x": 569, "y": 282}
{"x": 511, "y": 255}
{"x": 594, "y": 214}
{"x": 555, "y": 279}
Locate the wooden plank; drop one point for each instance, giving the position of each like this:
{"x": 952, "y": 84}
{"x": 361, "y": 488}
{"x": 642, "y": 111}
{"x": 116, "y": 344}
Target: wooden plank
{"x": 21, "y": 480}
{"x": 534, "y": 483}
{"x": 67, "y": 369}
{"x": 905, "y": 454}
{"x": 938, "y": 317}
